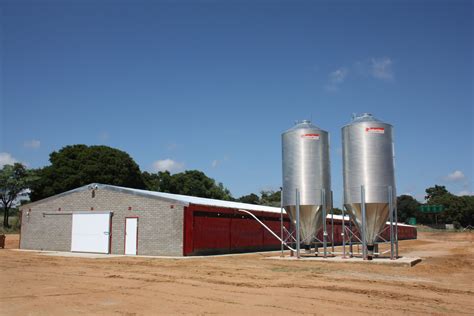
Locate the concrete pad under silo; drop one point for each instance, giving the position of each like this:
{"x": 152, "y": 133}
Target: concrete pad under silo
{"x": 402, "y": 261}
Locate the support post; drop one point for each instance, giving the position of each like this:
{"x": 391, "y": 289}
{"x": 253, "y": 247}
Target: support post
{"x": 298, "y": 224}
{"x": 351, "y": 247}
{"x": 396, "y": 230}
{"x": 392, "y": 237}
{"x": 332, "y": 223}
{"x": 343, "y": 234}
{"x": 281, "y": 221}
{"x": 325, "y": 233}
{"x": 364, "y": 223}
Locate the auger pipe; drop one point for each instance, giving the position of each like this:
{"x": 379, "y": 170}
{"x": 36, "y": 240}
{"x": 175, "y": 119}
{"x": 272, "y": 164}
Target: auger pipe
{"x": 266, "y": 227}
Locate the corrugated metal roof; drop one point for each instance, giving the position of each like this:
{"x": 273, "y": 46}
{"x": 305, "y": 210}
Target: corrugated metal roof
{"x": 194, "y": 200}
{"x": 212, "y": 202}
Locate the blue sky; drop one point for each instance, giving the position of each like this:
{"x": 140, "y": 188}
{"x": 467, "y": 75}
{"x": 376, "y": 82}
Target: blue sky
{"x": 210, "y": 85}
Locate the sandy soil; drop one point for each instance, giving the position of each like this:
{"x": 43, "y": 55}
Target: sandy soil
{"x": 443, "y": 283}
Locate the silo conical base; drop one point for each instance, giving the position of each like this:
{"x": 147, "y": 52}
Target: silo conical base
{"x": 310, "y": 221}
{"x": 376, "y": 215}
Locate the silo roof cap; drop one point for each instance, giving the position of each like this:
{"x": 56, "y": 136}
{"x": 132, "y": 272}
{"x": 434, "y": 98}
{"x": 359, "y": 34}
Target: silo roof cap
{"x": 365, "y": 117}
{"x": 303, "y": 124}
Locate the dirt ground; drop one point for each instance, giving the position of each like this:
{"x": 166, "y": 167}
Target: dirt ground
{"x": 443, "y": 283}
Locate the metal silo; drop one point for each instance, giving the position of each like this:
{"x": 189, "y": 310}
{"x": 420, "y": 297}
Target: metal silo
{"x": 305, "y": 150}
{"x": 369, "y": 179}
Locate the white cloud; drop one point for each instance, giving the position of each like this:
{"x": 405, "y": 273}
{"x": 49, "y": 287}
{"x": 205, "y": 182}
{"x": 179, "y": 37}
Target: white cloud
{"x": 336, "y": 78}
{"x": 167, "y": 164}
{"x": 33, "y": 144}
{"x": 465, "y": 192}
{"x": 455, "y": 176}
{"x": 215, "y": 163}
{"x": 378, "y": 68}
{"x": 6, "y": 159}
{"x": 381, "y": 68}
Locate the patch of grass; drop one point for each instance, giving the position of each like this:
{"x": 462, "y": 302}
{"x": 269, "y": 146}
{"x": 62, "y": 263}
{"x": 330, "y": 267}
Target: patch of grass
{"x": 14, "y": 222}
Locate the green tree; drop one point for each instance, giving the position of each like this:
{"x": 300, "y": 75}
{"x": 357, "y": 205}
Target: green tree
{"x": 166, "y": 182}
{"x": 270, "y": 198}
{"x": 78, "y": 165}
{"x": 467, "y": 210}
{"x": 190, "y": 182}
{"x": 338, "y": 211}
{"x": 436, "y": 191}
{"x": 151, "y": 180}
{"x": 407, "y": 206}
{"x": 249, "y": 198}
{"x": 458, "y": 210}
{"x": 13, "y": 180}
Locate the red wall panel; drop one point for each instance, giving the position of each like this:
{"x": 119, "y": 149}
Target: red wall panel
{"x": 268, "y": 238}
{"x": 211, "y": 233}
{"x": 188, "y": 229}
{"x": 246, "y": 233}
{"x": 209, "y": 230}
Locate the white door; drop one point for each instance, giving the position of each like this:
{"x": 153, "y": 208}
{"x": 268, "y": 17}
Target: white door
{"x": 90, "y": 232}
{"x": 131, "y": 230}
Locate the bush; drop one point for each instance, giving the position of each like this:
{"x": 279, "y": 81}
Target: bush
{"x": 14, "y": 225}
{"x": 457, "y": 225}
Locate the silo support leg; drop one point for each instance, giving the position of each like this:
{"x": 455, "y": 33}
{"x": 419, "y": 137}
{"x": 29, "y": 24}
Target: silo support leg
{"x": 332, "y": 223}
{"x": 325, "y": 233}
{"x": 298, "y": 241}
{"x": 364, "y": 223}
{"x": 281, "y": 222}
{"x": 396, "y": 231}
{"x": 343, "y": 235}
{"x": 391, "y": 209}
{"x": 351, "y": 247}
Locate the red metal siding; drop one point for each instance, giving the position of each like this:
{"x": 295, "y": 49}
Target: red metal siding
{"x": 188, "y": 230}
{"x": 210, "y": 230}
{"x": 211, "y": 233}
{"x": 246, "y": 233}
{"x": 269, "y": 239}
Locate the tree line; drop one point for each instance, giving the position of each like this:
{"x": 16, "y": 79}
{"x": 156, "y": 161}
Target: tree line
{"x": 458, "y": 210}
{"x": 78, "y": 165}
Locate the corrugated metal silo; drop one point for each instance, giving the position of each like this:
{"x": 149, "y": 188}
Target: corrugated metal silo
{"x": 368, "y": 161}
{"x": 306, "y": 167}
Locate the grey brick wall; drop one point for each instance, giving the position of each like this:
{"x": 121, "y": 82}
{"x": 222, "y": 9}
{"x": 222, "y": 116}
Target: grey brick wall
{"x": 46, "y": 232}
{"x": 160, "y": 222}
